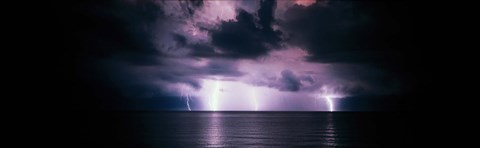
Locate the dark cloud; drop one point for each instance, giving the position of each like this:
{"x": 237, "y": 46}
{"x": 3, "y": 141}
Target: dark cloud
{"x": 202, "y": 50}
{"x": 353, "y": 90}
{"x": 106, "y": 39}
{"x": 223, "y": 68}
{"x": 183, "y": 8}
{"x": 339, "y": 79}
{"x": 265, "y": 13}
{"x": 150, "y": 81}
{"x": 368, "y": 78}
{"x": 194, "y": 4}
{"x": 367, "y": 41}
{"x": 113, "y": 27}
{"x": 289, "y": 82}
{"x": 116, "y": 53}
{"x": 179, "y": 39}
{"x": 307, "y": 78}
{"x": 244, "y": 38}
{"x": 350, "y": 31}
{"x": 172, "y": 72}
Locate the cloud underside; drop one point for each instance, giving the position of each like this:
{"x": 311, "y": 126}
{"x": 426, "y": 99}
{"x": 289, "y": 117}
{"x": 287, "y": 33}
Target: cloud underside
{"x": 138, "y": 47}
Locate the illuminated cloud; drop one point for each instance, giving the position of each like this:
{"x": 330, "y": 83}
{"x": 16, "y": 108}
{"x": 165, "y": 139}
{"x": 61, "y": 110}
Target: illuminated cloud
{"x": 304, "y": 2}
{"x": 240, "y": 55}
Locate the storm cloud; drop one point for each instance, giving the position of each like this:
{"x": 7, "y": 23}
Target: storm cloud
{"x": 248, "y": 37}
{"x": 350, "y": 31}
{"x": 159, "y": 49}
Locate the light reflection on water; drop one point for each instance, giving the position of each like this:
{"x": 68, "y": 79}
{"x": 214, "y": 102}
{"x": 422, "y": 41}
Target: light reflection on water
{"x": 260, "y": 130}
{"x": 214, "y": 131}
{"x": 253, "y": 129}
{"x": 330, "y": 130}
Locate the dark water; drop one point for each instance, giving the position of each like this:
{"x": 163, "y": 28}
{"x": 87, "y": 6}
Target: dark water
{"x": 251, "y": 129}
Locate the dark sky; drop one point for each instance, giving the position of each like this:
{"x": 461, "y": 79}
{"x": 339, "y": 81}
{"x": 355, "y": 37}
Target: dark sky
{"x": 242, "y": 55}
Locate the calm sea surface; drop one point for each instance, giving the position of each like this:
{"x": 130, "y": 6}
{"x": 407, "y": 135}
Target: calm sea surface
{"x": 251, "y": 129}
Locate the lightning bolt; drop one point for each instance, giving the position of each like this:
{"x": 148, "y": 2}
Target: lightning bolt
{"x": 255, "y": 101}
{"x": 185, "y": 94}
{"x": 330, "y": 103}
{"x": 188, "y": 104}
{"x": 256, "y": 104}
{"x": 214, "y": 98}
{"x": 330, "y": 95}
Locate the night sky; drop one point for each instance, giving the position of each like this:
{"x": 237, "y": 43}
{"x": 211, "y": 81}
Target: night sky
{"x": 283, "y": 55}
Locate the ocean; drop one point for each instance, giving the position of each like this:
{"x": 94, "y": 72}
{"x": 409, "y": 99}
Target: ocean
{"x": 145, "y": 129}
